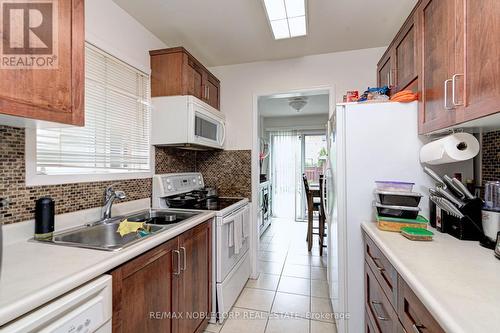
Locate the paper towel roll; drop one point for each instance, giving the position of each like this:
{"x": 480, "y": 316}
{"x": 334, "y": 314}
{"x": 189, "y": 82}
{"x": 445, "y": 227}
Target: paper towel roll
{"x": 452, "y": 148}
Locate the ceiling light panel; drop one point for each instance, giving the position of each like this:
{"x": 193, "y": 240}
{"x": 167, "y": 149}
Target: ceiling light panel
{"x": 295, "y": 8}
{"x": 275, "y": 9}
{"x": 287, "y": 17}
{"x": 280, "y": 29}
{"x": 297, "y": 26}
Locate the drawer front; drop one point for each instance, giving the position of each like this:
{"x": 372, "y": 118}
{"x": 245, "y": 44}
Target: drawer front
{"x": 378, "y": 307}
{"x": 384, "y": 272}
{"x": 369, "y": 328}
{"x": 413, "y": 314}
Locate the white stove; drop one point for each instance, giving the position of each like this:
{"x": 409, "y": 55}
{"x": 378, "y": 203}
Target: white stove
{"x": 231, "y": 233}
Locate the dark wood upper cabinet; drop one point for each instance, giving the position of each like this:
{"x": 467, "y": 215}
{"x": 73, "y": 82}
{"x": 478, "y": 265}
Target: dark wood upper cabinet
{"x": 447, "y": 50}
{"x": 398, "y": 68}
{"x": 438, "y": 49}
{"x": 477, "y": 68}
{"x": 385, "y": 69}
{"x": 405, "y": 56}
{"x": 175, "y": 71}
{"x": 54, "y": 91}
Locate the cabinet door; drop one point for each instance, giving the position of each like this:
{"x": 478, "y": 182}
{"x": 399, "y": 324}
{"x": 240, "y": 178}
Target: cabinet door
{"x": 437, "y": 43}
{"x": 213, "y": 91}
{"x": 194, "y": 77}
{"x": 54, "y": 90}
{"x": 480, "y": 25}
{"x": 384, "y": 76}
{"x": 194, "y": 292}
{"x": 405, "y": 57}
{"x": 143, "y": 292}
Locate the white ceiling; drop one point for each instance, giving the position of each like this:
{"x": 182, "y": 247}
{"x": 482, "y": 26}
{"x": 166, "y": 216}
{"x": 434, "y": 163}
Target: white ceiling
{"x": 223, "y": 32}
{"x": 278, "y": 107}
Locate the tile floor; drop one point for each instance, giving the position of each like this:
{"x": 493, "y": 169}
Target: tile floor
{"x": 291, "y": 293}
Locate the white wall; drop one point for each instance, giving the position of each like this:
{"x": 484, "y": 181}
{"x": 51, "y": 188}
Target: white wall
{"x": 112, "y": 29}
{"x": 344, "y": 70}
{"x": 317, "y": 121}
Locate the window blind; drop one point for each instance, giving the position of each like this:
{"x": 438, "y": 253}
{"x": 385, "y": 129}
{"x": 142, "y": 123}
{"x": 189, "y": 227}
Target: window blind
{"x": 115, "y": 138}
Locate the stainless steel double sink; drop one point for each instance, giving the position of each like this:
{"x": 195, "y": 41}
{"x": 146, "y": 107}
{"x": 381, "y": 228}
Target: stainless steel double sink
{"x": 104, "y": 235}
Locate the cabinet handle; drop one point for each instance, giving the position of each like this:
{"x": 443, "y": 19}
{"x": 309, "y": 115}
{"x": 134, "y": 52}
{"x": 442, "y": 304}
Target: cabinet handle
{"x": 183, "y": 250}
{"x": 208, "y": 92}
{"x": 416, "y": 328}
{"x": 388, "y": 78}
{"x": 178, "y": 272}
{"x": 446, "y": 94}
{"x": 375, "y": 305}
{"x": 379, "y": 268}
{"x": 453, "y": 89}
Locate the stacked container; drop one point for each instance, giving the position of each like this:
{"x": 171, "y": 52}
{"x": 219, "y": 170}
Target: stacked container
{"x": 397, "y": 206}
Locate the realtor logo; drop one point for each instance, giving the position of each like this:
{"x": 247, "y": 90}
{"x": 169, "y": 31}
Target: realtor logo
{"x": 29, "y": 34}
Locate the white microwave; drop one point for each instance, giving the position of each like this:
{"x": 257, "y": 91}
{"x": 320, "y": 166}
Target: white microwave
{"x": 186, "y": 122}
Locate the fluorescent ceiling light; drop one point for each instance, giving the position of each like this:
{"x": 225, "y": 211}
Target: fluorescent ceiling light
{"x": 287, "y": 17}
{"x": 297, "y": 26}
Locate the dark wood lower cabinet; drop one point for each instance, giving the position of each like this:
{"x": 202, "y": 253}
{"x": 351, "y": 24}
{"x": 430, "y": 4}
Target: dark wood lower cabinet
{"x": 405, "y": 314}
{"x": 194, "y": 281}
{"x": 378, "y": 307}
{"x": 167, "y": 289}
{"x": 413, "y": 314}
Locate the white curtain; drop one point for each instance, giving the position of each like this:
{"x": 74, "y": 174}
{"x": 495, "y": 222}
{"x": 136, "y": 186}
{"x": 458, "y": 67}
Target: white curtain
{"x": 285, "y": 150}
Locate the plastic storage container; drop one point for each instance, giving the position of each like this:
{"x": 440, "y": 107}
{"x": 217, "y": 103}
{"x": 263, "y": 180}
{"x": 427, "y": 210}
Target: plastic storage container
{"x": 395, "y": 224}
{"x": 394, "y": 186}
{"x": 417, "y": 234}
{"x": 409, "y": 199}
{"x": 397, "y": 211}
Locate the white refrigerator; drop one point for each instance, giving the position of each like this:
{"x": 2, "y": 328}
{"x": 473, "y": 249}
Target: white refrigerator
{"x": 366, "y": 142}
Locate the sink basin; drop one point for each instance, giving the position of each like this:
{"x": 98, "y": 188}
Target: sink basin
{"x": 161, "y": 217}
{"x": 103, "y": 235}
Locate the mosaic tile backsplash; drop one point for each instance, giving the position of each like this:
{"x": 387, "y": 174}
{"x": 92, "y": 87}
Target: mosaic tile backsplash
{"x": 491, "y": 156}
{"x": 228, "y": 170}
{"x": 68, "y": 197}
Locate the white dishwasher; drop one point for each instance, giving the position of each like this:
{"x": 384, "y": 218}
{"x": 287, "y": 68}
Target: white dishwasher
{"x": 86, "y": 309}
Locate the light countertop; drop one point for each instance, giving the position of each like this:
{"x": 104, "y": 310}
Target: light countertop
{"x": 457, "y": 281}
{"x": 34, "y": 273}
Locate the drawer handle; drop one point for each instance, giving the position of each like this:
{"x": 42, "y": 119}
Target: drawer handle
{"x": 375, "y": 305}
{"x": 377, "y": 265}
{"x": 416, "y": 328}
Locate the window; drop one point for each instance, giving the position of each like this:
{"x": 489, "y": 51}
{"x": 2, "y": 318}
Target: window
{"x": 115, "y": 138}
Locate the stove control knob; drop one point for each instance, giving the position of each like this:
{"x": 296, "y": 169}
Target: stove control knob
{"x": 168, "y": 180}
{"x": 194, "y": 180}
{"x": 199, "y": 182}
{"x": 169, "y": 187}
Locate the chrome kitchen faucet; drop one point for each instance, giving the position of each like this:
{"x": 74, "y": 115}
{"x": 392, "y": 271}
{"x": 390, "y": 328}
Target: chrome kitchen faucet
{"x": 109, "y": 197}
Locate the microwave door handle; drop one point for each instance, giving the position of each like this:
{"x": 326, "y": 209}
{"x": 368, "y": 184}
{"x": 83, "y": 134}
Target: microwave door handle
{"x": 223, "y": 133}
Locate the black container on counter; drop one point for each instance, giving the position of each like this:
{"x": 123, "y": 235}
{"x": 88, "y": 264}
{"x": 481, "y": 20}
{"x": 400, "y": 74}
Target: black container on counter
{"x": 407, "y": 199}
{"x": 397, "y": 211}
{"x": 44, "y": 218}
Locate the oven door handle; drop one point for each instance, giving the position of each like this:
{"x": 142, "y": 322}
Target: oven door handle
{"x": 232, "y": 217}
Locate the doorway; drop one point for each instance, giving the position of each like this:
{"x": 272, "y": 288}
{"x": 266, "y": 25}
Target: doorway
{"x": 292, "y": 128}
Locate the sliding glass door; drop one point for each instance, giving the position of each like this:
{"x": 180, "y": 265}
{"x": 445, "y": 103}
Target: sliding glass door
{"x": 292, "y": 154}
{"x": 313, "y": 160}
